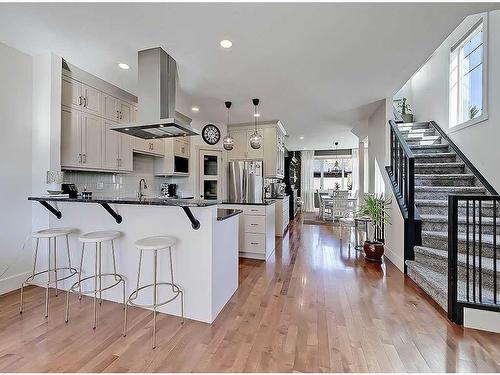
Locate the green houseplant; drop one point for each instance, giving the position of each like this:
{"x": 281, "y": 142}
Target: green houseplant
{"x": 375, "y": 207}
{"x": 405, "y": 110}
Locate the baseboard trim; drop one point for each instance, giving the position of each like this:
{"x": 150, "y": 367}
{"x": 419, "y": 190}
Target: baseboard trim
{"x": 482, "y": 319}
{"x": 13, "y": 282}
{"x": 394, "y": 258}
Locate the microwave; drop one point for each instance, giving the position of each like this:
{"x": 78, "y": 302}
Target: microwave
{"x": 181, "y": 165}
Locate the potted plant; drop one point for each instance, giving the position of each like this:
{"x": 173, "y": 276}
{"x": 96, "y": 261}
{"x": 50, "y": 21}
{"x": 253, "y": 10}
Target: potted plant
{"x": 375, "y": 208}
{"x": 405, "y": 111}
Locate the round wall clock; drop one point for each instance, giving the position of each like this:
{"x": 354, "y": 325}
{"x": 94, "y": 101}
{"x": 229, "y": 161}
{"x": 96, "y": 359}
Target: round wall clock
{"x": 210, "y": 134}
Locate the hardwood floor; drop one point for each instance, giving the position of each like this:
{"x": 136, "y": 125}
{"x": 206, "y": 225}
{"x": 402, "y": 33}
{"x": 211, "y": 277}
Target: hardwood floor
{"x": 315, "y": 306}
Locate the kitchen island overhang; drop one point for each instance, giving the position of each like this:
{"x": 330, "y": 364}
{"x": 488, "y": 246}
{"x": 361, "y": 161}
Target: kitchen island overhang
{"x": 205, "y": 259}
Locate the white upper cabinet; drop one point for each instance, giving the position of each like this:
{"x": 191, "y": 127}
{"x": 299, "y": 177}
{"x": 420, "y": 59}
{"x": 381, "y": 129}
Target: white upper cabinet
{"x": 91, "y": 100}
{"x": 91, "y": 141}
{"x": 71, "y": 138}
{"x": 87, "y": 142}
{"x": 272, "y": 150}
{"x": 110, "y": 107}
{"x": 81, "y": 141}
{"x": 71, "y": 93}
{"x": 125, "y": 110}
{"x": 117, "y": 149}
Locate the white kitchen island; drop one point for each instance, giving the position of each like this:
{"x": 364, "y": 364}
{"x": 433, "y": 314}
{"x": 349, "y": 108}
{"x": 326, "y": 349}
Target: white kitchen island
{"x": 205, "y": 259}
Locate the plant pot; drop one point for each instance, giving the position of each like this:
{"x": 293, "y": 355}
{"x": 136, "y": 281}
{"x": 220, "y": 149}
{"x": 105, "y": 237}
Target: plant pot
{"x": 408, "y": 117}
{"x": 374, "y": 251}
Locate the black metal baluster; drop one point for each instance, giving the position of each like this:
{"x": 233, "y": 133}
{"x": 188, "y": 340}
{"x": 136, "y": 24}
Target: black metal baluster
{"x": 401, "y": 166}
{"x": 474, "y": 250}
{"x": 467, "y": 248}
{"x": 392, "y": 150}
{"x": 495, "y": 251}
{"x": 480, "y": 253}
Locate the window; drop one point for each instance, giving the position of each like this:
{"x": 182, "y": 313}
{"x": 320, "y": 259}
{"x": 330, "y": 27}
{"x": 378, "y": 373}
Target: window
{"x": 333, "y": 173}
{"x": 467, "y": 83}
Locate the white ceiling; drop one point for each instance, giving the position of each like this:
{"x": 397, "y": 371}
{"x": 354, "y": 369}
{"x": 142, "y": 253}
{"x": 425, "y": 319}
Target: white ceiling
{"x": 319, "y": 68}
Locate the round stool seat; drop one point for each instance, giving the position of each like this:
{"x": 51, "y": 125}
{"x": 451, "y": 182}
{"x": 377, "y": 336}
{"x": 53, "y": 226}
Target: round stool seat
{"x": 155, "y": 243}
{"x": 52, "y": 232}
{"x": 99, "y": 236}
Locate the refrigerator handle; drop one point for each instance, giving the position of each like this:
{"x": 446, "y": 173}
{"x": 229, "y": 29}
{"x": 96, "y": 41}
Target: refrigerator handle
{"x": 244, "y": 183}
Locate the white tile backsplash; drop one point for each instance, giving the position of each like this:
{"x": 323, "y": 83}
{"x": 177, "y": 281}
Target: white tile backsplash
{"x": 119, "y": 184}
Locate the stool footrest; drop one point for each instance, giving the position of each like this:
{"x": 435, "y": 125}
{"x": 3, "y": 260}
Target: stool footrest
{"x": 73, "y": 273}
{"x": 135, "y": 294}
{"x": 75, "y": 285}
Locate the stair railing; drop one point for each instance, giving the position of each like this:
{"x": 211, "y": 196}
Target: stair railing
{"x": 401, "y": 172}
{"x": 473, "y": 257}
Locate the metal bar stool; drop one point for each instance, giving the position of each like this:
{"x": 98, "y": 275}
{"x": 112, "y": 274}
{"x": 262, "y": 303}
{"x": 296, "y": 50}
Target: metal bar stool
{"x": 98, "y": 238}
{"x": 154, "y": 244}
{"x": 50, "y": 234}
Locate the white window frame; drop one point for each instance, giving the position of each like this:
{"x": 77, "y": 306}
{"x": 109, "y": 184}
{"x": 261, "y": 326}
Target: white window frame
{"x": 484, "y": 115}
{"x": 341, "y": 159}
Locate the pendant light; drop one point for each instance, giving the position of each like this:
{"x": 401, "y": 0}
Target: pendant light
{"x": 228, "y": 141}
{"x": 336, "y": 166}
{"x": 255, "y": 138}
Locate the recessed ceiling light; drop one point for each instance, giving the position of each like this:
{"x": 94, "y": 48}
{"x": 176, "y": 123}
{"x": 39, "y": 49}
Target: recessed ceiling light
{"x": 124, "y": 66}
{"x": 195, "y": 109}
{"x": 256, "y": 115}
{"x": 301, "y": 137}
{"x": 126, "y": 129}
{"x": 226, "y": 43}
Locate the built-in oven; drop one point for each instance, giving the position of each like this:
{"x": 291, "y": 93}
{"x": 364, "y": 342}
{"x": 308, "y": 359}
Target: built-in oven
{"x": 181, "y": 165}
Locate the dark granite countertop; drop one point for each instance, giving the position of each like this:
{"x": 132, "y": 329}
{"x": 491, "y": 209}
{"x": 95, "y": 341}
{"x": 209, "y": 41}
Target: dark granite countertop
{"x": 226, "y": 213}
{"x": 265, "y": 202}
{"x": 143, "y": 201}
{"x": 280, "y": 197}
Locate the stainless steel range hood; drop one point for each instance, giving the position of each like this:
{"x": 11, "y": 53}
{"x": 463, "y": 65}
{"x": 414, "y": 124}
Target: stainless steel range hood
{"x": 156, "y": 117}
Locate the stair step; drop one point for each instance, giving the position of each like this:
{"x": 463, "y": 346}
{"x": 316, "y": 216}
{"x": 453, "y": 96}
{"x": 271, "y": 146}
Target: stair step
{"x": 429, "y": 149}
{"x": 440, "y": 223}
{"x": 437, "y": 157}
{"x": 438, "y": 259}
{"x": 439, "y": 240}
{"x": 414, "y": 125}
{"x": 450, "y": 179}
{"x": 440, "y": 207}
{"x": 425, "y": 140}
{"x": 431, "y": 168}
{"x": 417, "y": 133}
{"x": 434, "y": 283}
{"x": 442, "y": 192}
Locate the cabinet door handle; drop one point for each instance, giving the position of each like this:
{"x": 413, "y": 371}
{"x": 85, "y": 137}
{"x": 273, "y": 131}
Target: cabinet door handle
{"x": 121, "y": 115}
{"x": 254, "y": 225}
{"x": 118, "y": 115}
{"x": 84, "y": 158}
{"x": 85, "y": 102}
{"x": 80, "y": 100}
{"x": 254, "y": 243}
{"x": 79, "y": 158}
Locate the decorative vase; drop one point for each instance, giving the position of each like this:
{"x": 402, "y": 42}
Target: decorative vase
{"x": 374, "y": 251}
{"x": 407, "y": 117}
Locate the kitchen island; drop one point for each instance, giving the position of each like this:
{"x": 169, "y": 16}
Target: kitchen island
{"x": 205, "y": 256}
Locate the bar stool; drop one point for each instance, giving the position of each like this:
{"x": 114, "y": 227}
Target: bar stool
{"x": 154, "y": 244}
{"x": 50, "y": 234}
{"x": 98, "y": 238}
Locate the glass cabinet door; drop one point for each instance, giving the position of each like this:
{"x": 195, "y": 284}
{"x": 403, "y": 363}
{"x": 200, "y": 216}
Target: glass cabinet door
{"x": 210, "y": 186}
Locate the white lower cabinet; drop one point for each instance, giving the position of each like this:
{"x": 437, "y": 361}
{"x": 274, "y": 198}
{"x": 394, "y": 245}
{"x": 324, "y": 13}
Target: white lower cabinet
{"x": 257, "y": 230}
{"x": 282, "y": 215}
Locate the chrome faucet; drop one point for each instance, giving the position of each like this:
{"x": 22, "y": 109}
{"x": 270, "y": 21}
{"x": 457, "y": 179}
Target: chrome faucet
{"x": 140, "y": 194}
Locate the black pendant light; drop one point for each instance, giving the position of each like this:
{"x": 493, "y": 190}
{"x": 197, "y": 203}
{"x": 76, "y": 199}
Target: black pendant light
{"x": 228, "y": 141}
{"x": 336, "y": 166}
{"x": 255, "y": 138}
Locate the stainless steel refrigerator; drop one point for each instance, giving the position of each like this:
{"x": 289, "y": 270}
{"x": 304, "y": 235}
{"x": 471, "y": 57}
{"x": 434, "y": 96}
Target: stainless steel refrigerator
{"x": 246, "y": 181}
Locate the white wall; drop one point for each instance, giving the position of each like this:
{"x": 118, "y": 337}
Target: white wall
{"x": 378, "y": 158}
{"x": 427, "y": 93}
{"x": 15, "y": 156}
